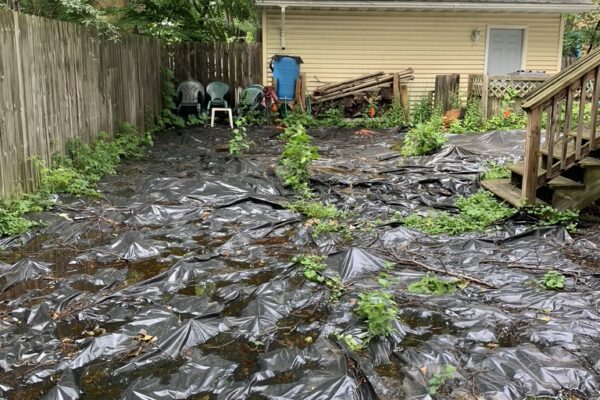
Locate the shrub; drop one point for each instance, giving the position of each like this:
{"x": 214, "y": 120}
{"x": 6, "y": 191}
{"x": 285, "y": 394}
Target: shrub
{"x": 424, "y": 138}
{"x": 471, "y": 121}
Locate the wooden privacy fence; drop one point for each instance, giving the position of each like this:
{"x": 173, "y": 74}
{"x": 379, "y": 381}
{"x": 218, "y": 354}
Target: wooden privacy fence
{"x": 490, "y": 89}
{"x": 237, "y": 64}
{"x": 60, "y": 80}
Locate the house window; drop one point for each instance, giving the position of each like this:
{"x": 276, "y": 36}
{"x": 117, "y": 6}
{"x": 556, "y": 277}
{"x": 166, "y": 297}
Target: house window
{"x": 505, "y": 50}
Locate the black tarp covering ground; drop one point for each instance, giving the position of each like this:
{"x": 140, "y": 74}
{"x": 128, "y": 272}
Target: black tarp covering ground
{"x": 179, "y": 283}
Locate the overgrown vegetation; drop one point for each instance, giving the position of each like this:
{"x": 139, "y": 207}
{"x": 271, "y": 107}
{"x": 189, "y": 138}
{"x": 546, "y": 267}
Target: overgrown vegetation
{"x": 431, "y": 284}
{"x": 425, "y": 137}
{"x": 476, "y": 213}
{"x": 313, "y": 268}
{"x": 439, "y": 379}
{"x": 314, "y": 209}
{"x": 422, "y": 111}
{"x": 378, "y": 310}
{"x": 167, "y": 118}
{"x": 471, "y": 122}
{"x": 495, "y": 171}
{"x": 76, "y": 173}
{"x": 298, "y": 153}
{"x": 239, "y": 139}
{"x": 551, "y": 216}
{"x": 553, "y": 280}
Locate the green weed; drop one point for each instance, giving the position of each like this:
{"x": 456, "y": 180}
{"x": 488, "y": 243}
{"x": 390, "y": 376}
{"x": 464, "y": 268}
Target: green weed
{"x": 239, "y": 139}
{"x": 298, "y": 117}
{"x": 471, "y": 122}
{"x": 551, "y": 216}
{"x": 422, "y": 111}
{"x": 313, "y": 209}
{"x": 477, "y": 212}
{"x": 378, "y": 310}
{"x": 350, "y": 341}
{"x": 298, "y": 154}
{"x": 553, "y": 280}
{"x": 431, "y": 284}
{"x": 438, "y": 380}
{"x": 424, "y": 138}
{"x": 331, "y": 226}
{"x": 332, "y": 117}
{"x": 495, "y": 171}
{"x": 313, "y": 268}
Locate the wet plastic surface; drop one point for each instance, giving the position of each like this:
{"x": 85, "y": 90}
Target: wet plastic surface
{"x": 179, "y": 283}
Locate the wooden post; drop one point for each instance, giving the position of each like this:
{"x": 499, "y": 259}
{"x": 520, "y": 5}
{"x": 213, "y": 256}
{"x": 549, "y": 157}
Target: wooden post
{"x": 395, "y": 88}
{"x": 446, "y": 87}
{"x": 594, "y": 112}
{"x": 485, "y": 87}
{"x": 404, "y": 97}
{"x": 532, "y": 155}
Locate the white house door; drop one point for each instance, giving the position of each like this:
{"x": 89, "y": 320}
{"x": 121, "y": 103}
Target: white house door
{"x": 505, "y": 51}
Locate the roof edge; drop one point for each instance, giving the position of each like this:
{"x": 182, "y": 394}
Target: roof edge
{"x": 428, "y": 5}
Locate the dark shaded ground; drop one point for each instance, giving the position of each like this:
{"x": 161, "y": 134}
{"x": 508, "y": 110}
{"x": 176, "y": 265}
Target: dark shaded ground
{"x": 195, "y": 248}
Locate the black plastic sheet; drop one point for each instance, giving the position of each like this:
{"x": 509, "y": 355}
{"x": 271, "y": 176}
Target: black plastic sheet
{"x": 180, "y": 283}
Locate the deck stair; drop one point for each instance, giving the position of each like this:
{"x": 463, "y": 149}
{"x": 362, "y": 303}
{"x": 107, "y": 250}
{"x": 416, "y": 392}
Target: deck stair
{"x": 565, "y": 171}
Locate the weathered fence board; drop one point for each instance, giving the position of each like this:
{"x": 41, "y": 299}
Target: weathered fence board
{"x": 237, "y": 64}
{"x": 59, "y": 80}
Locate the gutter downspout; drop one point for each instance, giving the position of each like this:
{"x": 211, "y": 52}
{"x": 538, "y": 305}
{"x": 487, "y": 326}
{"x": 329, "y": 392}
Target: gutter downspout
{"x": 282, "y": 29}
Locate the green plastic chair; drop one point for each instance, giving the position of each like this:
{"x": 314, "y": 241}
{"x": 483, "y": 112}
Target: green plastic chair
{"x": 252, "y": 96}
{"x": 217, "y": 92}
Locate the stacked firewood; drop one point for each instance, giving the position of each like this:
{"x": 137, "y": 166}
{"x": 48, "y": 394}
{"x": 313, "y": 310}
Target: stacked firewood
{"x": 361, "y": 86}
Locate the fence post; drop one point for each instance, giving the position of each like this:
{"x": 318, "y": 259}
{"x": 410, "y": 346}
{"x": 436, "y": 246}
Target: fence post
{"x": 485, "y": 88}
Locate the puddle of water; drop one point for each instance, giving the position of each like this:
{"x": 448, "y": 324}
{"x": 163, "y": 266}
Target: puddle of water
{"x": 237, "y": 350}
{"x": 140, "y": 271}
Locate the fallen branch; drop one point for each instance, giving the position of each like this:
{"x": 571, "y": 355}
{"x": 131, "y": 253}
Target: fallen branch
{"x": 418, "y": 264}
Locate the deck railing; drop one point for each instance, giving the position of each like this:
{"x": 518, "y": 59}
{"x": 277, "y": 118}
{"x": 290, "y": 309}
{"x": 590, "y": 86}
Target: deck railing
{"x": 568, "y": 104}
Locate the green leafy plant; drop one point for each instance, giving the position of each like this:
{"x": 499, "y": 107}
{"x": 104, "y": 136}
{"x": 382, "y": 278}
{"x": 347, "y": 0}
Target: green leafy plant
{"x": 495, "y": 171}
{"x": 298, "y": 154}
{"x": 551, "y": 216}
{"x": 553, "y": 280}
{"x": 439, "y": 379}
{"x": 477, "y": 212}
{"x": 425, "y": 137}
{"x": 331, "y": 226}
{"x": 471, "y": 122}
{"x": 199, "y": 119}
{"x": 313, "y": 268}
{"x": 167, "y": 118}
{"x": 422, "y": 110}
{"x": 297, "y": 117}
{"x": 431, "y": 284}
{"x": 350, "y": 341}
{"x": 332, "y": 117}
{"x": 313, "y": 209}
{"x": 378, "y": 310}
{"x": 239, "y": 139}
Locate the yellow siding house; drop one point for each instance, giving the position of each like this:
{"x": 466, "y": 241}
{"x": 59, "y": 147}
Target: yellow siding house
{"x": 339, "y": 40}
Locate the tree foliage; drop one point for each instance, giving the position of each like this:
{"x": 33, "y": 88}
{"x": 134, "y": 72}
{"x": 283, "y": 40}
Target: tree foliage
{"x": 582, "y": 32}
{"x": 170, "y": 20}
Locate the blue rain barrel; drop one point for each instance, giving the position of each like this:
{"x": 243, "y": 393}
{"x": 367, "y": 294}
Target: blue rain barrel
{"x": 286, "y": 70}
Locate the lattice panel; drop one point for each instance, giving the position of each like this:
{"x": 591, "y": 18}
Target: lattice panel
{"x": 498, "y": 87}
